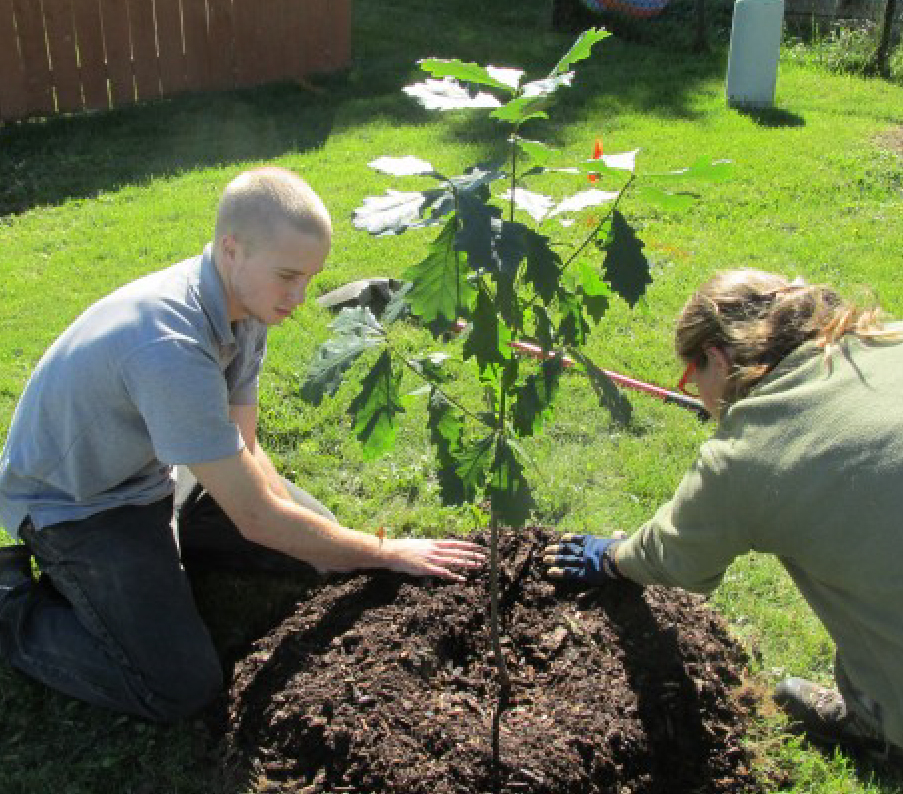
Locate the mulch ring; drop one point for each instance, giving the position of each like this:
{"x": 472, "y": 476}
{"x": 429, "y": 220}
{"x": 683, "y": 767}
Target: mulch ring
{"x": 381, "y": 683}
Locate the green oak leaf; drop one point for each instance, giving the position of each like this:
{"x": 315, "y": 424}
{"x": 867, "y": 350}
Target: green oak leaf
{"x": 495, "y": 77}
{"x": 440, "y": 288}
{"x": 398, "y": 305}
{"x": 580, "y": 50}
{"x": 430, "y": 366}
{"x": 489, "y": 338}
{"x": 594, "y": 290}
{"x": 597, "y": 167}
{"x": 572, "y": 326}
{"x": 521, "y": 110}
{"x": 507, "y": 487}
{"x": 446, "y": 426}
{"x": 509, "y": 376}
{"x": 404, "y": 166}
{"x": 542, "y": 327}
{"x": 668, "y": 201}
{"x": 375, "y": 407}
{"x": 397, "y": 211}
{"x": 477, "y": 178}
{"x": 355, "y": 331}
{"x": 472, "y": 462}
{"x": 536, "y": 96}
{"x": 491, "y": 383}
{"x": 543, "y": 264}
{"x": 585, "y": 198}
{"x": 512, "y": 242}
{"x": 538, "y": 152}
{"x": 509, "y": 307}
{"x": 475, "y": 234}
{"x": 508, "y": 246}
{"x": 533, "y": 400}
{"x": 446, "y": 423}
{"x": 702, "y": 169}
{"x": 626, "y": 266}
{"x": 449, "y": 94}
{"x": 536, "y": 205}
{"x": 356, "y": 320}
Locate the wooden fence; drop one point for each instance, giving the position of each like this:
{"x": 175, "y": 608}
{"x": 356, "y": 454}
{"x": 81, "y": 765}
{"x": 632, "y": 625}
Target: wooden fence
{"x": 70, "y": 55}
{"x": 805, "y": 13}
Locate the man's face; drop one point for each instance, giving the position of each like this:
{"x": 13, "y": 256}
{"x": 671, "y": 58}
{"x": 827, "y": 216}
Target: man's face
{"x": 268, "y": 280}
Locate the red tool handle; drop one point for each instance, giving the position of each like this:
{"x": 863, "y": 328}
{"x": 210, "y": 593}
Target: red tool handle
{"x": 676, "y": 398}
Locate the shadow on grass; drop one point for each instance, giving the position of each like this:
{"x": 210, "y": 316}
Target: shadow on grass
{"x": 49, "y": 742}
{"x": 52, "y": 743}
{"x": 772, "y": 117}
{"x": 49, "y": 161}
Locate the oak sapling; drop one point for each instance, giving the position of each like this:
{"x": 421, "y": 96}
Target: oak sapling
{"x": 508, "y": 280}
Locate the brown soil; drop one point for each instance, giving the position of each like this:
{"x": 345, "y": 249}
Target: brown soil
{"x": 380, "y": 683}
{"x": 892, "y": 139}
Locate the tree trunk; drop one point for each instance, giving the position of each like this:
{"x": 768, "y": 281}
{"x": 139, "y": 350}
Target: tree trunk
{"x": 496, "y": 634}
{"x": 878, "y": 63}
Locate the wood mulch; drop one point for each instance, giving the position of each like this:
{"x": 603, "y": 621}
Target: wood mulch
{"x": 382, "y": 683}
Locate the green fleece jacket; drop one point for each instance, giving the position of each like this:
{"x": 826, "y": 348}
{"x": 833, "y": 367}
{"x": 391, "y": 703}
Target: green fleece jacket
{"x": 808, "y": 467}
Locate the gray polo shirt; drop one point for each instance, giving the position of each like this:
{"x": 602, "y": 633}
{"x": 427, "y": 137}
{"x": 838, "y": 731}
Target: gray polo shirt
{"x": 140, "y": 382}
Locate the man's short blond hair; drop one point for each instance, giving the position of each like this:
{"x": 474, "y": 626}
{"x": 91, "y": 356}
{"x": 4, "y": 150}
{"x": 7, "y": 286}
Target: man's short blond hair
{"x": 256, "y": 202}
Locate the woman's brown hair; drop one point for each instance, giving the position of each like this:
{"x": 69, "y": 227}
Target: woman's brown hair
{"x": 757, "y": 318}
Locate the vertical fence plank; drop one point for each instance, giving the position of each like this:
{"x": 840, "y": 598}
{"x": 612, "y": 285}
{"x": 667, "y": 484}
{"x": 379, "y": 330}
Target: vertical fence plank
{"x": 293, "y": 36}
{"x": 194, "y": 22}
{"x": 13, "y": 90}
{"x": 314, "y": 33}
{"x": 63, "y": 57}
{"x": 112, "y": 52}
{"x": 340, "y": 34}
{"x": 144, "y": 49}
{"x": 267, "y": 44}
{"x": 169, "y": 44}
{"x": 118, "y": 48}
{"x": 247, "y": 17}
{"x": 221, "y": 43}
{"x": 270, "y": 40}
{"x": 33, "y": 48}
{"x": 89, "y": 35}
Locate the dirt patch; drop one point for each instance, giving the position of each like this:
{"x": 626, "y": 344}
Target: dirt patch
{"x": 379, "y": 683}
{"x": 892, "y": 140}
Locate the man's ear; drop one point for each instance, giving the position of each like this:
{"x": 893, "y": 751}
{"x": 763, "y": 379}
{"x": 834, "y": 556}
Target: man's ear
{"x": 228, "y": 246}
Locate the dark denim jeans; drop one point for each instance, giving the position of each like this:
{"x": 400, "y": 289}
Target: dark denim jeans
{"x": 112, "y": 619}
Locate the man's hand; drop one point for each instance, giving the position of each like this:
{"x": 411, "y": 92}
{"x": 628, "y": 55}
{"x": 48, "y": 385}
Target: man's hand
{"x": 240, "y": 487}
{"x": 432, "y": 557}
{"x": 583, "y": 559}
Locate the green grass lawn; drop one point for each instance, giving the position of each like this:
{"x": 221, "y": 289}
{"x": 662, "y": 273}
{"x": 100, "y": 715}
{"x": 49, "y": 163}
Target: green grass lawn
{"x": 88, "y": 203}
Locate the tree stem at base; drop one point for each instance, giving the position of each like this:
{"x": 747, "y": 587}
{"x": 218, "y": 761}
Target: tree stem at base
{"x": 501, "y": 665}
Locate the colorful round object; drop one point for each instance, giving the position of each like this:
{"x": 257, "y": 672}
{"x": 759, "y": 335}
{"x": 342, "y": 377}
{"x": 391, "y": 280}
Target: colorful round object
{"x": 641, "y": 9}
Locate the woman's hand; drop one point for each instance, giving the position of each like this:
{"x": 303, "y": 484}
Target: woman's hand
{"x": 583, "y": 559}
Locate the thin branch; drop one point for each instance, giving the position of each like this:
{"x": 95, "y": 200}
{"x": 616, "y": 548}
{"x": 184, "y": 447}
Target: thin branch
{"x": 599, "y": 225}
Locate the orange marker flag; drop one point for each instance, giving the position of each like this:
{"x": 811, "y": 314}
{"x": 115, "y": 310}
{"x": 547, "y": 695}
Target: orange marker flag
{"x": 597, "y": 153}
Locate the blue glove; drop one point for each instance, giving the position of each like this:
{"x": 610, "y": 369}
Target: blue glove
{"x": 583, "y": 559}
